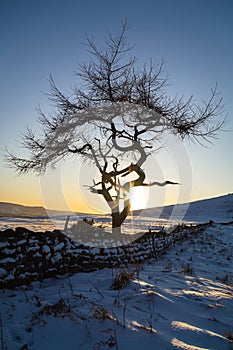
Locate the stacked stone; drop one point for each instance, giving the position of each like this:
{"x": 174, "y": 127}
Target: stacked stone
{"x": 27, "y": 256}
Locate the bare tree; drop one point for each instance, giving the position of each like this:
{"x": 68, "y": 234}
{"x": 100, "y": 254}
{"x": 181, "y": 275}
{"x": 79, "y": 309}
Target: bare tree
{"x": 116, "y": 118}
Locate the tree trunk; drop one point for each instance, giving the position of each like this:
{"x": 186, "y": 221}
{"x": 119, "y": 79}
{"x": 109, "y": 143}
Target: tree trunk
{"x": 119, "y": 217}
{"x": 116, "y": 222}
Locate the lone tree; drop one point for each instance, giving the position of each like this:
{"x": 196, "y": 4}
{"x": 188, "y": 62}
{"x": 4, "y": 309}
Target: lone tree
{"x": 115, "y": 118}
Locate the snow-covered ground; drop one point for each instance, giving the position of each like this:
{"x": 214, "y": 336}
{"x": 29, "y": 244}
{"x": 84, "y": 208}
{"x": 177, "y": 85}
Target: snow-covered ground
{"x": 184, "y": 300}
{"x": 219, "y": 209}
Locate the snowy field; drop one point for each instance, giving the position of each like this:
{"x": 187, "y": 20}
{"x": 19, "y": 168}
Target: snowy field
{"x": 130, "y": 226}
{"x": 184, "y": 300}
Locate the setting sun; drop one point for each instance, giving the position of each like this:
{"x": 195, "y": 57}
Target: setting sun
{"x": 139, "y": 197}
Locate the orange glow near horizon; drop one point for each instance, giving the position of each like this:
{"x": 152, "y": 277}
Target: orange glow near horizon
{"x": 139, "y": 201}
{"x": 64, "y": 192}
{"x": 26, "y": 190}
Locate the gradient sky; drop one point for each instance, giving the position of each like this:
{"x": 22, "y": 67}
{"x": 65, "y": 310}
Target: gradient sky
{"x": 41, "y": 37}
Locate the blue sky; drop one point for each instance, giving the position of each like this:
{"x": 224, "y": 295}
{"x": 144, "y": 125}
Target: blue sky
{"x": 41, "y": 37}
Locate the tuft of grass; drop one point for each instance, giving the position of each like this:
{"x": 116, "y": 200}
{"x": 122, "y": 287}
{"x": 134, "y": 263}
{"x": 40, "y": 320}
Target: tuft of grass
{"x": 229, "y": 336}
{"x": 60, "y": 309}
{"x": 100, "y": 313}
{"x": 225, "y": 279}
{"x": 109, "y": 343}
{"x": 187, "y": 269}
{"x": 122, "y": 280}
{"x": 168, "y": 266}
{"x": 2, "y": 342}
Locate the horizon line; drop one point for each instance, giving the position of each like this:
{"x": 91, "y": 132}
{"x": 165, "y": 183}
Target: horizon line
{"x": 105, "y": 213}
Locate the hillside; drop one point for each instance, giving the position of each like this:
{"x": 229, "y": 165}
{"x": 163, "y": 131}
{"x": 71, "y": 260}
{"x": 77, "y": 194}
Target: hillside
{"x": 17, "y": 210}
{"x": 217, "y": 209}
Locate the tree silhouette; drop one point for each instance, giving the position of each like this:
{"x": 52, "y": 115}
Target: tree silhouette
{"x": 115, "y": 118}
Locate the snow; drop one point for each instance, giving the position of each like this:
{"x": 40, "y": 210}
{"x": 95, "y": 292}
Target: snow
{"x": 59, "y": 246}
{"x": 56, "y": 258}
{"x": 3, "y": 273}
{"x": 183, "y": 300}
{"x": 9, "y": 251}
{"x": 45, "y": 249}
{"x": 32, "y": 249}
{"x": 7, "y": 260}
{"x": 3, "y": 245}
{"x": 219, "y": 209}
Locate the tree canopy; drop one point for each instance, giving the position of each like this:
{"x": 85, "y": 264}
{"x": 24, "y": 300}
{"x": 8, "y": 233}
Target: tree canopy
{"x": 117, "y": 113}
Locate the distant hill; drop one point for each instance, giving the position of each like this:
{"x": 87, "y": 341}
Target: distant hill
{"x": 217, "y": 209}
{"x": 17, "y": 210}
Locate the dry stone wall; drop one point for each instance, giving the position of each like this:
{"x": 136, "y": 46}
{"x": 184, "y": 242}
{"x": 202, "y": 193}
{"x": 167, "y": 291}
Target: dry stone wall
{"x": 27, "y": 256}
